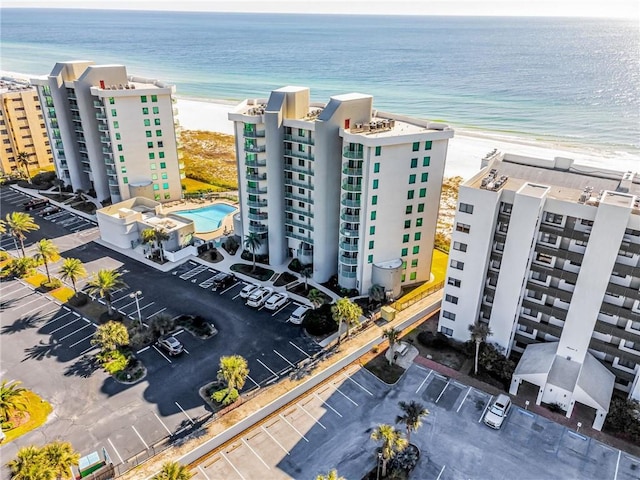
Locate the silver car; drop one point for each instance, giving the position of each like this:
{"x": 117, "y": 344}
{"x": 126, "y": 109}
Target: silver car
{"x": 498, "y": 411}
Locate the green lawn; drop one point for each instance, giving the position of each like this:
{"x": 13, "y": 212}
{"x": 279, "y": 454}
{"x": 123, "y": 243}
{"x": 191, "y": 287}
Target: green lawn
{"x": 195, "y": 186}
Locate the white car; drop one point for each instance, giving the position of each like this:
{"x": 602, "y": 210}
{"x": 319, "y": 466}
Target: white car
{"x": 248, "y": 290}
{"x": 298, "y": 315}
{"x": 498, "y": 411}
{"x": 258, "y": 297}
{"x": 276, "y": 300}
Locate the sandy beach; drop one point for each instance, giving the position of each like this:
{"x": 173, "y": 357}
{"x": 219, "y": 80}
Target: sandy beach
{"x": 466, "y": 149}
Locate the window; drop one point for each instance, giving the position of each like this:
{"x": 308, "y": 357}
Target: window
{"x": 447, "y": 331}
{"x": 374, "y": 200}
{"x": 165, "y": 186}
{"x": 114, "y": 113}
{"x": 156, "y": 121}
{"x": 403, "y": 277}
{"x": 148, "y": 133}
{"x": 163, "y": 165}
{"x": 461, "y": 247}
{"x": 544, "y": 258}
{"x": 404, "y": 265}
{"x": 370, "y": 259}
{"x": 143, "y": 99}
{"x": 125, "y": 180}
{"x": 423, "y": 192}
{"x": 145, "y": 111}
{"x": 414, "y": 162}
{"x": 156, "y": 196}
{"x": 407, "y": 224}
{"x": 424, "y": 177}
{"x": 420, "y": 207}
{"x": 149, "y": 144}
{"x": 112, "y": 101}
{"x": 405, "y": 252}
{"x": 465, "y": 208}
{"x": 376, "y": 167}
{"x": 553, "y": 218}
{"x": 165, "y": 176}
{"x": 116, "y": 125}
{"x": 375, "y": 184}
{"x": 416, "y": 250}
{"x": 152, "y": 166}
{"x": 160, "y": 144}
{"x": 167, "y": 196}
{"x": 426, "y": 161}
{"x": 121, "y": 158}
{"x": 405, "y": 238}
{"x": 418, "y": 222}
{"x": 371, "y": 244}
{"x": 449, "y": 315}
{"x": 123, "y": 169}
{"x": 156, "y": 110}
{"x": 417, "y": 236}
{"x": 457, "y": 265}
{"x": 463, "y": 227}
{"x": 451, "y": 299}
{"x": 454, "y": 282}
{"x": 412, "y": 276}
{"x": 154, "y": 176}
{"x": 154, "y": 98}
{"x": 152, "y": 156}
{"x": 378, "y": 152}
{"x": 427, "y": 145}
{"x": 373, "y": 215}
{"x": 118, "y": 136}
{"x": 156, "y": 186}
{"x": 372, "y": 230}
{"x": 147, "y": 122}
{"x": 158, "y": 133}
{"x": 414, "y": 263}
{"x": 412, "y": 179}
{"x": 410, "y": 194}
{"x": 119, "y": 148}
{"x": 416, "y": 146}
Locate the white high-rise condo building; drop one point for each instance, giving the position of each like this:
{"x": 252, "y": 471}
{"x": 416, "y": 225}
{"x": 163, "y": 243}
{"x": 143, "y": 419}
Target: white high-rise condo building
{"x": 112, "y": 133}
{"x": 547, "y": 253}
{"x": 349, "y": 189}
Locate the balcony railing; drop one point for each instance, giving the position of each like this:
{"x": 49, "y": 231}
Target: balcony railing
{"x": 300, "y": 198}
{"x": 289, "y": 221}
{"x": 352, "y": 172}
{"x": 256, "y": 176}
{"x": 257, "y": 216}
{"x": 256, "y": 191}
{"x": 351, "y": 187}
{"x": 106, "y": 140}
{"x": 257, "y": 228}
{"x": 108, "y": 160}
{"x": 113, "y": 182}
{"x": 98, "y": 104}
{"x": 359, "y": 154}
{"x": 103, "y": 127}
{"x": 297, "y": 154}
{"x": 101, "y": 116}
{"x": 255, "y": 148}
{"x": 290, "y": 209}
{"x": 297, "y": 236}
{"x": 350, "y": 202}
{"x": 294, "y": 183}
{"x": 106, "y": 150}
{"x": 298, "y": 169}
{"x": 349, "y": 247}
{"x": 350, "y": 232}
{"x": 253, "y": 133}
{"x": 257, "y": 203}
{"x": 255, "y": 163}
{"x": 305, "y": 140}
{"x": 350, "y": 218}
{"x": 348, "y": 260}
{"x": 348, "y": 274}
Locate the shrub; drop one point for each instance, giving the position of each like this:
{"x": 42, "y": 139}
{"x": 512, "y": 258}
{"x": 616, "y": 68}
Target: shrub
{"x": 319, "y": 321}
{"x": 20, "y": 267}
{"x": 247, "y": 255}
{"x": 438, "y": 341}
{"x": 43, "y": 178}
{"x": 231, "y": 245}
{"x": 555, "y": 407}
{"x": 495, "y": 364}
{"x": 139, "y": 338}
{"x": 6, "y": 426}
{"x": 295, "y": 265}
{"x": 51, "y": 285}
{"x": 623, "y": 419}
{"x": 225, "y": 396}
{"x": 3, "y": 255}
{"x": 405, "y": 460}
{"x": 113, "y": 361}
{"x": 78, "y": 300}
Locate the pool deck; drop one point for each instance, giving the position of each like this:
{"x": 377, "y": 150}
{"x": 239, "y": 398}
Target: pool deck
{"x": 227, "y": 222}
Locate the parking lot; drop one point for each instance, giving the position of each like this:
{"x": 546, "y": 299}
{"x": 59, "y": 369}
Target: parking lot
{"x": 330, "y": 428}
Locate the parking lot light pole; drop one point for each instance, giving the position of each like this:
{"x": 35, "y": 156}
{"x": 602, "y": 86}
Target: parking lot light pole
{"x": 135, "y": 295}
{"x": 378, "y": 466}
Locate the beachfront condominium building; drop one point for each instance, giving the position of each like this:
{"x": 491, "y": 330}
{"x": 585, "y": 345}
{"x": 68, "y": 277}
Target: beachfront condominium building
{"x": 22, "y": 129}
{"x": 353, "y": 191}
{"x": 547, "y": 253}
{"x": 112, "y": 134}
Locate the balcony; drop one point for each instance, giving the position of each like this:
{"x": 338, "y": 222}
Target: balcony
{"x": 256, "y": 176}
{"x": 255, "y": 148}
{"x": 297, "y": 236}
{"x": 290, "y": 209}
{"x": 256, "y": 191}
{"x": 253, "y": 133}
{"x": 108, "y": 160}
{"x": 350, "y": 202}
{"x": 350, "y": 218}
{"x": 51, "y": 113}
{"x": 348, "y": 274}
{"x": 358, "y": 154}
{"x": 257, "y": 216}
{"x": 257, "y": 228}
{"x": 351, "y": 187}
{"x": 298, "y": 169}
{"x": 113, "y": 182}
{"x": 255, "y": 163}
{"x": 103, "y": 127}
{"x": 352, "y": 172}
{"x": 101, "y": 116}
{"x": 107, "y": 150}
{"x": 106, "y": 140}
{"x": 350, "y": 232}
{"x": 257, "y": 203}
{"x": 294, "y": 223}
{"x": 297, "y": 154}
{"x": 111, "y": 171}
{"x": 299, "y": 198}
{"x": 98, "y": 104}
{"x": 181, "y": 166}
{"x": 305, "y": 140}
{"x": 294, "y": 183}
{"x": 83, "y": 150}
{"x": 348, "y": 260}
{"x": 349, "y": 247}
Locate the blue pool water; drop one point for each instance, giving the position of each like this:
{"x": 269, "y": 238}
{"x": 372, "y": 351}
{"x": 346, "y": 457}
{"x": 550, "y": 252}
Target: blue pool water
{"x": 207, "y": 219}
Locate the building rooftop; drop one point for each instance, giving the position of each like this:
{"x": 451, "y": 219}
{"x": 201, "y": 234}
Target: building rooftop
{"x": 8, "y": 85}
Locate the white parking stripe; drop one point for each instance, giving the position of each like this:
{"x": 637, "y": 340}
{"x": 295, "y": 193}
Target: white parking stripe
{"x": 147, "y": 305}
{"x": 294, "y": 345}
{"x": 140, "y": 437}
{"x": 254, "y": 452}
{"x": 114, "y": 449}
{"x": 80, "y": 341}
{"x": 64, "y": 326}
{"x": 232, "y": 465}
{"x": 423, "y": 381}
{"x": 442, "y": 392}
{"x": 440, "y": 474}
{"x": 260, "y": 362}
{"x": 73, "y": 333}
{"x": 296, "y": 430}
{"x": 55, "y": 319}
{"x": 185, "y": 413}
{"x": 254, "y": 382}
{"x": 485, "y": 409}
{"x": 228, "y": 288}
{"x": 281, "y": 308}
{"x": 328, "y": 406}
{"x": 344, "y": 395}
{"x": 283, "y": 357}
{"x": 8, "y": 285}
{"x": 163, "y": 355}
{"x": 465, "y": 397}
{"x": 154, "y": 314}
{"x": 274, "y": 439}
{"x": 165, "y": 427}
{"x": 120, "y": 298}
{"x": 314, "y": 419}
{"x": 203, "y": 472}
{"x": 346, "y": 376}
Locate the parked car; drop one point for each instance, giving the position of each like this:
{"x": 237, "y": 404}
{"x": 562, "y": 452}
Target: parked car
{"x": 258, "y": 297}
{"x": 498, "y": 411}
{"x": 50, "y": 210}
{"x": 298, "y": 315}
{"x": 275, "y": 301}
{"x": 248, "y": 290}
{"x": 171, "y": 345}
{"x": 223, "y": 280}
{"x": 35, "y": 203}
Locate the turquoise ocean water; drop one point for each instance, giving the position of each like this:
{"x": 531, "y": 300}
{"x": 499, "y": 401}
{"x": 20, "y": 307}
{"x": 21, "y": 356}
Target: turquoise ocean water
{"x": 575, "y": 81}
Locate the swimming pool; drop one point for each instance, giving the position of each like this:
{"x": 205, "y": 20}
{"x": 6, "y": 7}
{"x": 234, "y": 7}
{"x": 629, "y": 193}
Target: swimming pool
{"x": 207, "y": 219}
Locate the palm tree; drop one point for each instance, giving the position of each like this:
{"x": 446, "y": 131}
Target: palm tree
{"x": 61, "y": 457}
{"x": 392, "y": 443}
{"x": 104, "y": 284}
{"x": 3, "y": 227}
{"x": 72, "y": 269}
{"x": 316, "y": 297}
{"x": 331, "y": 475}
{"x": 233, "y": 371}
{"x": 147, "y": 236}
{"x": 23, "y": 159}
{"x": 252, "y": 242}
{"x": 307, "y": 273}
{"x": 160, "y": 236}
{"x": 30, "y": 464}
{"x": 344, "y": 310}
{"x": 46, "y": 251}
{"x": 110, "y": 336}
{"x": 412, "y": 415}
{"x": 392, "y": 335}
{"x": 173, "y": 471}
{"x": 11, "y": 399}
{"x": 22, "y": 267}
{"x": 479, "y": 333}
{"x": 19, "y": 224}
{"x": 161, "y": 323}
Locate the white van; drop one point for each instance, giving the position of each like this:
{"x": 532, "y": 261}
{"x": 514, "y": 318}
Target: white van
{"x": 498, "y": 411}
{"x": 298, "y": 315}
